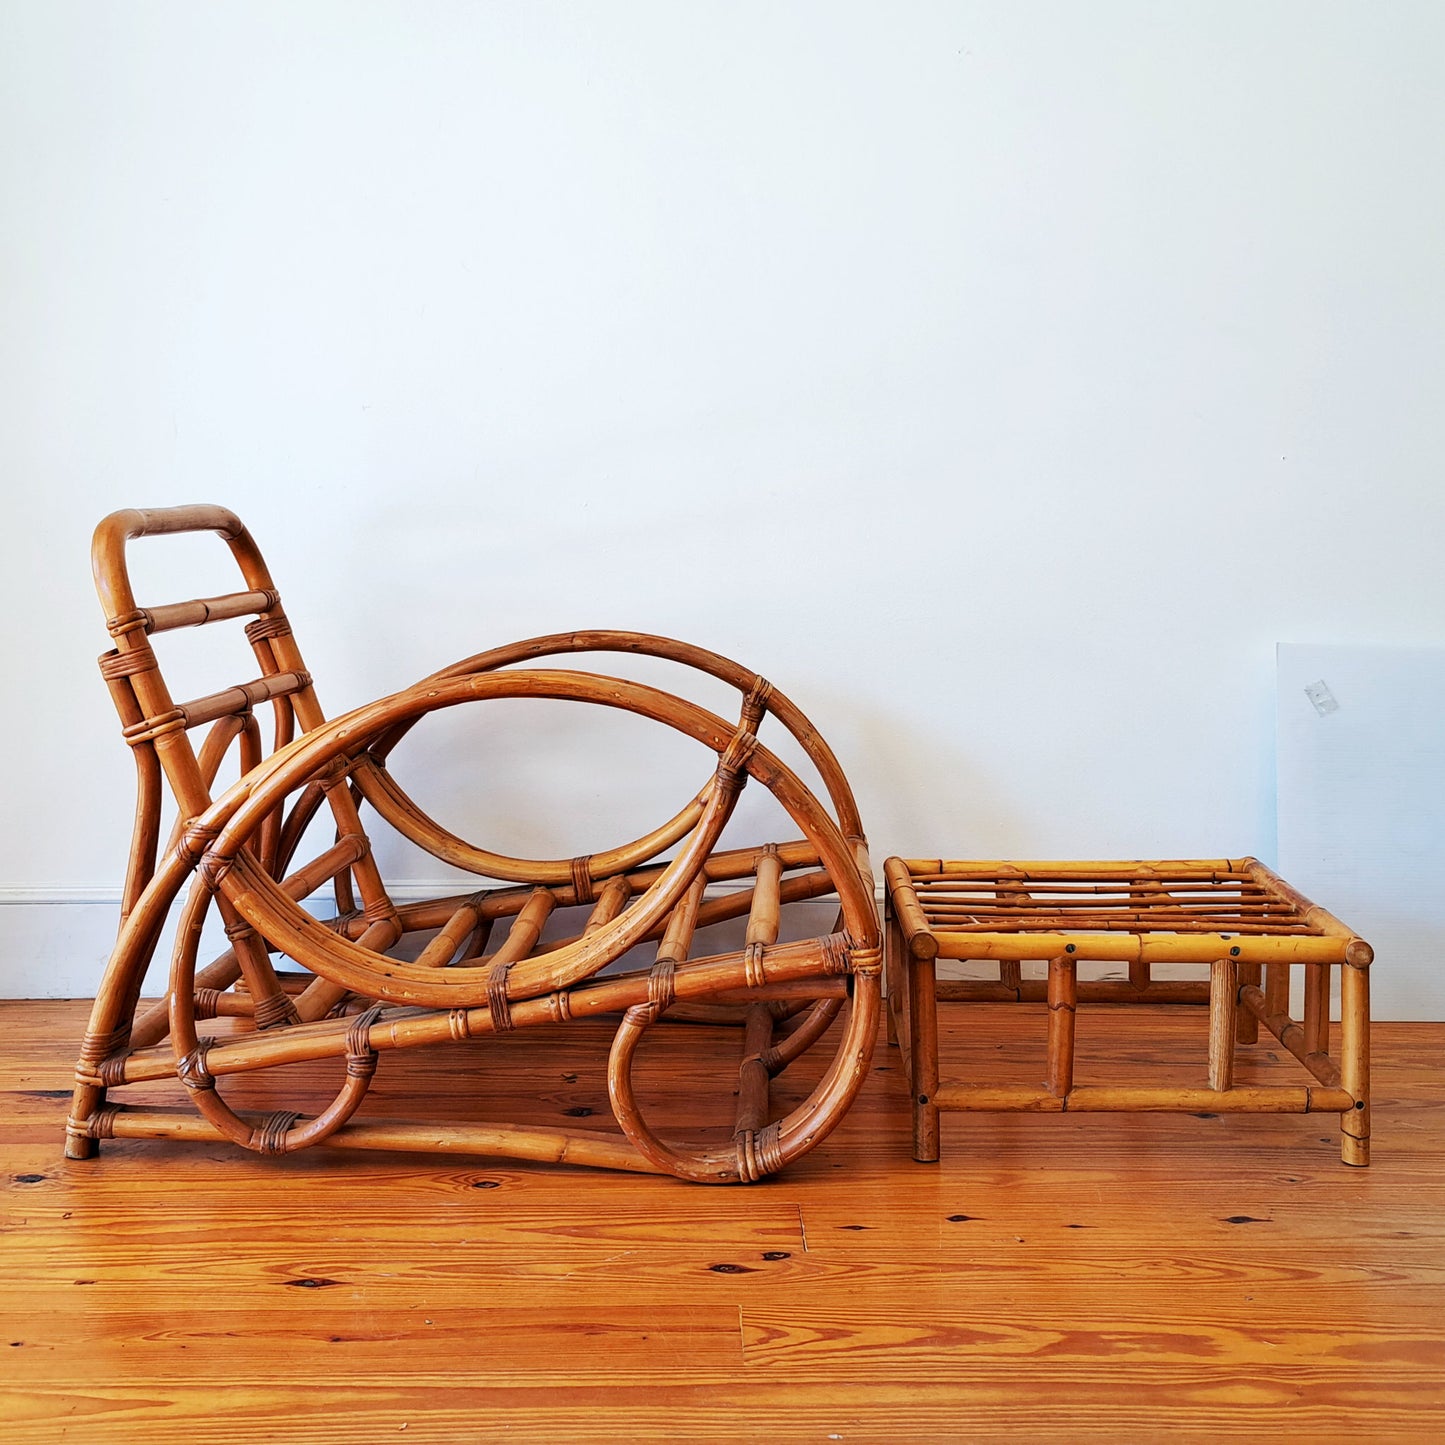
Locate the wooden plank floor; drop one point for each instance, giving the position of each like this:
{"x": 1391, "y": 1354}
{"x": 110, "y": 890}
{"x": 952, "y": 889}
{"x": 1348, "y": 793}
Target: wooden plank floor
{"x": 1068, "y": 1278}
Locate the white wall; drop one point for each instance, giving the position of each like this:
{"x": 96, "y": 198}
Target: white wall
{"x": 1003, "y": 380}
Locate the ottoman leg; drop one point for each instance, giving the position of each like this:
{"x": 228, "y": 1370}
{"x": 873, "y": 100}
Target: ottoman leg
{"x": 923, "y": 1038}
{"x": 1063, "y": 1002}
{"x": 1223, "y": 1015}
{"x": 1246, "y": 1025}
{"x": 892, "y": 975}
{"x": 1355, "y": 1059}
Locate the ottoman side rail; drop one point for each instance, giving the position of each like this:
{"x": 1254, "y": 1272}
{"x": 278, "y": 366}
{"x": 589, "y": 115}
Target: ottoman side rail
{"x": 917, "y": 933}
{"x": 1126, "y": 947}
{"x": 1062, "y": 869}
{"x": 1356, "y": 950}
{"x": 1139, "y": 1098}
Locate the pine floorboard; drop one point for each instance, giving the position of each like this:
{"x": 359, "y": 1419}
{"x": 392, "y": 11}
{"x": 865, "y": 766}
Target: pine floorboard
{"x": 1073, "y": 1278}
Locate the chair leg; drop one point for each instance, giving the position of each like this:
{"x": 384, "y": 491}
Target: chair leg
{"x": 109, "y": 1031}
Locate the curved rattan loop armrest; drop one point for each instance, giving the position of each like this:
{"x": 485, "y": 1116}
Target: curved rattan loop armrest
{"x": 392, "y": 802}
{"x": 286, "y": 925}
{"x": 644, "y": 644}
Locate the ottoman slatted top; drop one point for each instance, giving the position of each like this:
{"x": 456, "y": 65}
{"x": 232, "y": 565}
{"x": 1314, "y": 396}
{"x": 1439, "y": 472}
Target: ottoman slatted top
{"x": 1242, "y": 925}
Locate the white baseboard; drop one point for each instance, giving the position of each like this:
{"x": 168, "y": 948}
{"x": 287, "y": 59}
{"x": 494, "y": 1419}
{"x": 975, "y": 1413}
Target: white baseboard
{"x": 54, "y": 947}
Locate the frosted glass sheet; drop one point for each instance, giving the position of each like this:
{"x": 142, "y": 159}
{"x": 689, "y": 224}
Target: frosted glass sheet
{"x": 1361, "y": 806}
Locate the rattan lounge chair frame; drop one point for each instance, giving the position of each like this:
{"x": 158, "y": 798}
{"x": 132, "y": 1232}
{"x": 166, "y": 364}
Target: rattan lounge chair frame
{"x": 359, "y": 995}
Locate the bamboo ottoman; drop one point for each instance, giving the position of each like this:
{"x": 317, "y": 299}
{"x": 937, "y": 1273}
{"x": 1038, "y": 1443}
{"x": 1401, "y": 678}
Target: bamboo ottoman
{"x": 1233, "y": 919}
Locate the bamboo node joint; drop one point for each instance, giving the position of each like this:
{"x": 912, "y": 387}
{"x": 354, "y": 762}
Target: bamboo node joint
{"x": 732, "y": 765}
{"x": 866, "y": 962}
{"x": 213, "y": 867}
{"x": 272, "y": 625}
{"x": 582, "y": 879}
{"x": 101, "y": 1124}
{"x": 753, "y": 971}
{"x": 360, "y": 1056}
{"x": 148, "y": 729}
{"x": 662, "y": 986}
{"x": 755, "y": 704}
{"x": 96, "y": 1047}
{"x": 837, "y": 957}
{"x": 274, "y": 1010}
{"x": 136, "y": 621}
{"x": 497, "y": 1000}
{"x": 111, "y": 1072}
{"x": 271, "y": 1137}
{"x": 137, "y": 658}
{"x": 192, "y": 1071}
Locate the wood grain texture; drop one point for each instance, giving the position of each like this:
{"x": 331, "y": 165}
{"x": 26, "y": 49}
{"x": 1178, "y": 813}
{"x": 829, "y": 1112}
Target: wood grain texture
{"x": 1090, "y": 1277}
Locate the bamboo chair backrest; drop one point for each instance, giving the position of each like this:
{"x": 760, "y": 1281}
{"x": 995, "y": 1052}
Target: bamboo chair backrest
{"x": 158, "y": 728}
{"x": 154, "y": 724}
